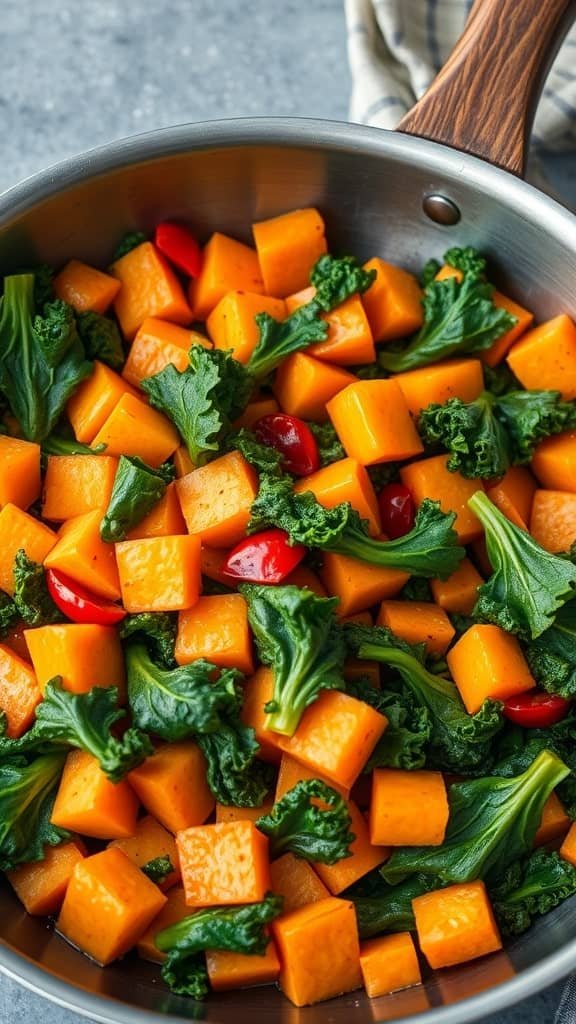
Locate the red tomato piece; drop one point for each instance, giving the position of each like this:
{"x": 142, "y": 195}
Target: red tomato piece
{"x": 179, "y": 246}
{"x": 267, "y": 557}
{"x": 78, "y": 604}
{"x": 536, "y": 710}
{"x": 396, "y": 510}
{"x": 293, "y": 438}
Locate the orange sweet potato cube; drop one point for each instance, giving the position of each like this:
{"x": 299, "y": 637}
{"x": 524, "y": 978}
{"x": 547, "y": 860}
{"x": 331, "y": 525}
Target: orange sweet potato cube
{"x": 393, "y": 303}
{"x": 306, "y": 579}
{"x": 41, "y": 885}
{"x": 159, "y": 343}
{"x": 452, "y": 378}
{"x": 159, "y": 574}
{"x": 133, "y": 428}
{"x": 216, "y": 629}
{"x": 182, "y": 462}
{"x": 500, "y": 669}
{"x": 296, "y": 882}
{"x": 226, "y": 812}
{"x": 108, "y": 906}
{"x": 553, "y": 520}
{"x": 149, "y": 288}
{"x": 227, "y": 265}
{"x": 373, "y": 423}
{"x": 554, "y": 823}
{"x": 408, "y": 808}
{"x": 241, "y": 970}
{"x": 513, "y": 495}
{"x": 19, "y": 472}
{"x": 85, "y": 287}
{"x": 150, "y": 841}
{"x": 336, "y": 736}
{"x": 224, "y": 864}
{"x": 545, "y": 357}
{"x": 524, "y": 319}
{"x": 177, "y": 769}
{"x": 389, "y": 963}
{"x": 430, "y": 478}
{"x": 216, "y": 499}
{"x": 164, "y": 520}
{"x": 345, "y": 480}
{"x": 94, "y": 400}
{"x": 319, "y": 951}
{"x": 255, "y": 410}
{"x": 364, "y": 856}
{"x": 456, "y": 924}
{"x": 87, "y": 802}
{"x": 81, "y": 554}
{"x": 349, "y": 341}
{"x": 19, "y": 693}
{"x": 291, "y": 772}
{"x": 257, "y": 692}
{"x": 418, "y": 622}
{"x": 303, "y": 385}
{"x": 554, "y": 462}
{"x": 288, "y": 246}
{"x": 18, "y": 530}
{"x": 75, "y": 484}
{"x": 84, "y": 655}
{"x": 568, "y": 848}
{"x": 174, "y": 910}
{"x": 459, "y": 593}
{"x": 232, "y": 325}
{"x": 357, "y": 584}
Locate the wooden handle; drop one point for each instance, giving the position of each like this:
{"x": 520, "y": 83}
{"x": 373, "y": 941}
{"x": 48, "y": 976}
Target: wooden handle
{"x": 484, "y": 99}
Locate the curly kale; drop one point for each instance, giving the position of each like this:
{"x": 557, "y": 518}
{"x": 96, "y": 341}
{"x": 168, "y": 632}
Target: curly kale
{"x": 101, "y": 338}
{"x": 330, "y": 448}
{"x": 478, "y": 444}
{"x": 405, "y": 741}
{"x": 137, "y": 489}
{"x": 530, "y": 888}
{"x": 311, "y": 821}
{"x": 31, "y": 597}
{"x": 157, "y": 630}
{"x": 27, "y": 793}
{"x": 552, "y": 655}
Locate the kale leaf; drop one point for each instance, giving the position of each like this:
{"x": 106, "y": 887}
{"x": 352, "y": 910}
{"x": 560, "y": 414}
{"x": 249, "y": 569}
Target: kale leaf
{"x": 405, "y": 741}
{"x": 8, "y": 613}
{"x": 157, "y": 630}
{"x": 530, "y": 888}
{"x": 158, "y": 869}
{"x": 55, "y": 331}
{"x": 263, "y": 457}
{"x": 478, "y": 444}
{"x": 137, "y": 489}
{"x": 27, "y": 793}
{"x": 131, "y": 240}
{"x": 235, "y": 776}
{"x": 552, "y": 655}
{"x": 31, "y": 597}
{"x": 388, "y": 908}
{"x": 530, "y": 416}
{"x": 315, "y": 832}
{"x": 330, "y": 448}
{"x": 101, "y": 338}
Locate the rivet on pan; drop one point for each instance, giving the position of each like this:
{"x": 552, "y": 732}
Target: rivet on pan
{"x": 441, "y": 210}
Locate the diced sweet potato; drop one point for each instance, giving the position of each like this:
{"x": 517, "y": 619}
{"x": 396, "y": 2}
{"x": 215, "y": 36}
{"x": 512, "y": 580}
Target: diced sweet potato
{"x": 224, "y": 864}
{"x": 19, "y": 692}
{"x": 227, "y": 265}
{"x": 393, "y": 303}
{"x": 85, "y": 287}
{"x": 164, "y": 520}
{"x": 158, "y": 344}
{"x": 257, "y": 692}
{"x": 159, "y": 574}
{"x": 389, "y": 963}
{"x": 175, "y": 909}
{"x": 94, "y": 400}
{"x": 373, "y": 422}
{"x": 288, "y": 246}
{"x": 303, "y": 385}
{"x": 349, "y": 341}
{"x": 149, "y": 288}
{"x": 456, "y": 924}
{"x": 364, "y": 857}
{"x": 19, "y": 472}
{"x": 357, "y": 584}
{"x": 430, "y": 478}
{"x": 554, "y": 823}
{"x": 408, "y": 808}
{"x": 216, "y": 499}
{"x": 553, "y": 520}
{"x": 19, "y": 530}
{"x": 488, "y": 663}
{"x": 454, "y": 378}
{"x": 76, "y": 484}
{"x": 296, "y": 881}
{"x": 172, "y": 786}
{"x": 216, "y": 629}
{"x": 232, "y": 325}
{"x": 41, "y": 885}
{"x": 291, "y": 772}
{"x": 459, "y": 593}
{"x": 150, "y": 841}
{"x": 545, "y": 357}
{"x": 87, "y": 802}
{"x": 241, "y": 970}
{"x": 513, "y": 495}
{"x": 345, "y": 480}
{"x": 82, "y": 654}
{"x": 418, "y": 622}
{"x": 81, "y": 554}
{"x": 133, "y": 428}
{"x": 554, "y": 462}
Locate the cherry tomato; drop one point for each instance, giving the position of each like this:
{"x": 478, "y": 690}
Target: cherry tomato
{"x": 396, "y": 510}
{"x": 78, "y": 604}
{"x": 292, "y": 438}
{"x": 179, "y": 246}
{"x": 536, "y": 710}
{"x": 266, "y": 557}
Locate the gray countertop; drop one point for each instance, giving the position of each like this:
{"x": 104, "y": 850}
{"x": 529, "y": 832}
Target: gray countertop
{"x": 75, "y": 75}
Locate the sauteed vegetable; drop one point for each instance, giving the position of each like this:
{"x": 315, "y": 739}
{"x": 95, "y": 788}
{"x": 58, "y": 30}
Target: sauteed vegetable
{"x": 287, "y": 610}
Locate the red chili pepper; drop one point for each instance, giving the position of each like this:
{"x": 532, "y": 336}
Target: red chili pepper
{"x": 180, "y": 247}
{"x": 536, "y": 710}
{"x": 78, "y": 604}
{"x": 266, "y": 557}
{"x": 396, "y": 510}
{"x": 292, "y": 438}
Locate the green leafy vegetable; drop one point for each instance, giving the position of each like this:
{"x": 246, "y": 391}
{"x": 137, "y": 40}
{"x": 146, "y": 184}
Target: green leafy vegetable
{"x": 131, "y": 240}
{"x": 43, "y": 284}
{"x": 8, "y": 613}
{"x": 137, "y": 489}
{"x": 430, "y": 549}
{"x": 56, "y": 331}
{"x": 388, "y": 908}
{"x": 263, "y": 457}
{"x": 27, "y": 792}
{"x": 405, "y": 742}
{"x": 552, "y": 656}
{"x": 203, "y": 400}
{"x": 158, "y": 869}
{"x": 499, "y": 379}
{"x": 58, "y": 445}
{"x": 477, "y": 442}
{"x": 235, "y": 776}
{"x": 492, "y": 824}
{"x": 530, "y": 416}
{"x": 157, "y": 630}
{"x": 467, "y": 260}
{"x": 298, "y": 635}
{"x": 101, "y": 338}
{"x": 528, "y": 584}
{"x": 237, "y": 929}
{"x": 37, "y": 391}
{"x": 330, "y": 448}
{"x": 429, "y": 271}
{"x": 530, "y": 888}
{"x": 416, "y": 589}
{"x": 299, "y": 826}
{"x": 31, "y": 598}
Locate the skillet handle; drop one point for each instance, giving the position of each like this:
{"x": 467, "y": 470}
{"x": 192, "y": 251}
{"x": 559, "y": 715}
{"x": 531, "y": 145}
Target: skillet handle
{"x": 484, "y": 99}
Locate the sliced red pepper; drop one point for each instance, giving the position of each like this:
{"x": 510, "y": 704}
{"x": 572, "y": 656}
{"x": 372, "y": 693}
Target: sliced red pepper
{"x": 396, "y": 510}
{"x": 293, "y": 438}
{"x": 78, "y": 604}
{"x": 536, "y": 710}
{"x": 179, "y": 246}
{"x": 267, "y": 557}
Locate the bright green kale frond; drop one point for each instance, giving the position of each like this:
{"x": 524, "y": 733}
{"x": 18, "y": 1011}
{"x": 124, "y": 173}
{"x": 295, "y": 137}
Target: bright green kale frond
{"x": 58, "y": 445}
{"x": 405, "y": 741}
{"x": 530, "y": 888}
{"x": 31, "y": 597}
{"x": 336, "y": 280}
{"x": 528, "y": 584}
{"x": 158, "y": 869}
{"x": 330, "y": 448}
{"x": 235, "y": 775}
{"x": 298, "y": 635}
{"x": 429, "y": 271}
{"x": 470, "y": 431}
{"x": 388, "y": 908}
{"x": 56, "y": 331}
{"x": 552, "y": 655}
{"x": 528, "y": 417}
{"x": 468, "y": 260}
{"x": 101, "y": 338}
{"x": 8, "y": 613}
{"x": 263, "y": 457}
{"x": 157, "y": 630}
{"x": 312, "y": 831}
{"x": 27, "y": 793}
{"x": 137, "y": 489}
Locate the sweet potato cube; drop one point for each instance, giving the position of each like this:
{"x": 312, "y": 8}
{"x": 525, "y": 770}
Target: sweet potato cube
{"x": 133, "y": 428}
{"x": 85, "y": 287}
{"x": 364, "y": 856}
{"x": 216, "y": 499}
{"x": 41, "y": 885}
{"x": 257, "y": 692}
{"x": 227, "y": 265}
{"x": 18, "y": 530}
{"x": 19, "y": 472}
{"x": 553, "y": 520}
{"x": 430, "y": 478}
{"x": 94, "y": 400}
{"x": 357, "y": 584}
{"x": 303, "y": 385}
{"x": 499, "y": 668}
{"x": 108, "y": 905}
{"x": 513, "y": 495}
{"x": 81, "y": 554}
{"x": 84, "y": 655}
{"x": 216, "y": 629}
{"x": 19, "y": 693}
{"x": 389, "y": 963}
{"x": 336, "y": 736}
{"x": 554, "y": 462}
{"x": 408, "y": 808}
{"x": 545, "y": 358}
{"x": 240, "y": 970}
{"x": 345, "y": 480}
{"x": 459, "y": 593}
{"x": 226, "y": 813}
{"x": 454, "y": 378}
{"x": 373, "y": 423}
{"x": 150, "y": 841}
{"x": 568, "y": 848}
{"x": 393, "y": 303}
{"x": 174, "y": 910}
{"x": 76, "y": 484}
{"x": 172, "y": 786}
{"x": 159, "y": 574}
{"x": 149, "y": 288}
{"x": 456, "y": 924}
{"x": 255, "y": 410}
{"x": 232, "y": 325}
{"x": 164, "y": 520}
{"x": 418, "y": 622}
{"x": 288, "y": 246}
{"x": 296, "y": 881}
{"x": 159, "y": 343}
{"x": 224, "y": 864}
{"x": 87, "y": 802}
{"x": 349, "y": 341}
{"x": 319, "y": 951}
{"x": 291, "y": 772}
{"x": 524, "y": 319}
{"x": 182, "y": 462}
{"x": 554, "y": 823}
